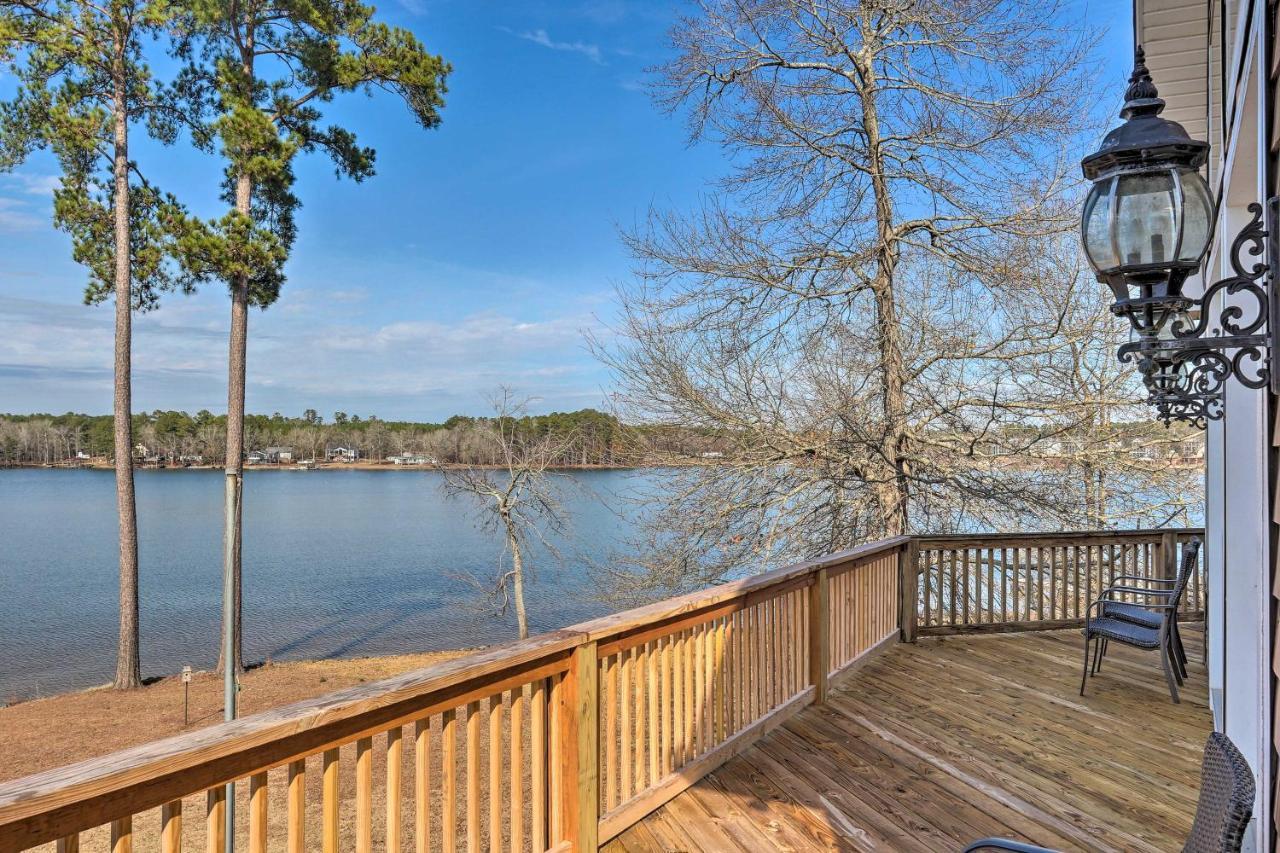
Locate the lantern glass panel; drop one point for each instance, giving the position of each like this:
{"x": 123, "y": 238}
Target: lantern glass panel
{"x": 1146, "y": 222}
{"x": 1096, "y": 225}
{"x": 1197, "y": 217}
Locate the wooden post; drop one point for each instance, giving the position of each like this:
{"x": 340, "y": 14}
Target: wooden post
{"x": 579, "y": 764}
{"x": 819, "y": 645}
{"x": 1168, "y": 554}
{"x": 908, "y": 593}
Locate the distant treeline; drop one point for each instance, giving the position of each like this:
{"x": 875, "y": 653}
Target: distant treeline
{"x": 590, "y": 437}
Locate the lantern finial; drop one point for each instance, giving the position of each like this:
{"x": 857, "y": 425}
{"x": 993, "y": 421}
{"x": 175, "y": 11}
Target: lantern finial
{"x": 1141, "y": 98}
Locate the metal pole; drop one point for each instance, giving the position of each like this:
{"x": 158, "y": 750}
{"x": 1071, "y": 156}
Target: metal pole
{"x": 228, "y": 632}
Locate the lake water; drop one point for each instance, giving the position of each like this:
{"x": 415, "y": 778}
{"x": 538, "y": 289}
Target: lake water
{"x": 336, "y": 564}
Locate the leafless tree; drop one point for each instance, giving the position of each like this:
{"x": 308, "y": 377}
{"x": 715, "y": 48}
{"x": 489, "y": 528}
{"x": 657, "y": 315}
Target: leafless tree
{"x": 515, "y": 498}
{"x": 859, "y": 314}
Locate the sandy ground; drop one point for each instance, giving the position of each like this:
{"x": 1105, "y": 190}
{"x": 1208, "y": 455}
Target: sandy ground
{"x": 45, "y": 733}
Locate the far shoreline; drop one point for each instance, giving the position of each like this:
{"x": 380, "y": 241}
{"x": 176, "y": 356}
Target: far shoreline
{"x": 103, "y": 465}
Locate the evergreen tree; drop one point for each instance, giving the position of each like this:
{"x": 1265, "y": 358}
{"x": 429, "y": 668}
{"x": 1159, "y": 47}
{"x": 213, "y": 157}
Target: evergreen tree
{"x": 83, "y": 86}
{"x": 261, "y": 70}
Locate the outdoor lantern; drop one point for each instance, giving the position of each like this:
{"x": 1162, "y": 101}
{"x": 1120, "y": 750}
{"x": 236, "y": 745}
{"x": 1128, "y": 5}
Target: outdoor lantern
{"x": 1149, "y": 215}
{"x": 1146, "y": 226}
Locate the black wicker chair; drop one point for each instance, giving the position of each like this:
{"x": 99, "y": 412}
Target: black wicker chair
{"x": 1140, "y": 614}
{"x": 1222, "y": 813}
{"x": 1150, "y": 625}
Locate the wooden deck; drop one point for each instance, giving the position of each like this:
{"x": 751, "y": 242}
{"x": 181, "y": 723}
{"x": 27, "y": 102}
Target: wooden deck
{"x": 930, "y": 746}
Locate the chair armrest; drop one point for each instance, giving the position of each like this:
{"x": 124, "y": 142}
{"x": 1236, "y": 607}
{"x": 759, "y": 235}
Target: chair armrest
{"x": 1006, "y": 844}
{"x": 1088, "y": 613}
{"x": 1144, "y": 578}
{"x": 1137, "y": 590}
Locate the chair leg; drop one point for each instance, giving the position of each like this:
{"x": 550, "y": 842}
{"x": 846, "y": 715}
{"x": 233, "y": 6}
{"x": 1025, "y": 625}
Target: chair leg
{"x": 1182, "y": 650}
{"x": 1167, "y": 665}
{"x": 1085, "y": 675}
{"x": 1102, "y": 652}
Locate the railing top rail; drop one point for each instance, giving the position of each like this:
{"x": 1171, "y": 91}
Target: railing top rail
{"x": 607, "y": 627}
{"x": 936, "y": 539}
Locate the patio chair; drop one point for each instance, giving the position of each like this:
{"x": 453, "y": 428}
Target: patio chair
{"x": 1101, "y": 629}
{"x": 1222, "y": 812}
{"x": 1139, "y": 614}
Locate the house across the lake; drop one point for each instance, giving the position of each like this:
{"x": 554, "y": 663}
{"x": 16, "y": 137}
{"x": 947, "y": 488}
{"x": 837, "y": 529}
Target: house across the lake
{"x": 411, "y": 459}
{"x": 342, "y": 454}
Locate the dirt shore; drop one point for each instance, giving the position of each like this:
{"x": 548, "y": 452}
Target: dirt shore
{"x": 45, "y": 733}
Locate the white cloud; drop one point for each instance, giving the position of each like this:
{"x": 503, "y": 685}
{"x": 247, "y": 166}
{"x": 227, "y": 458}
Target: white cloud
{"x": 41, "y": 185}
{"x": 58, "y": 356}
{"x": 17, "y": 211}
{"x": 17, "y": 216}
{"x": 541, "y": 37}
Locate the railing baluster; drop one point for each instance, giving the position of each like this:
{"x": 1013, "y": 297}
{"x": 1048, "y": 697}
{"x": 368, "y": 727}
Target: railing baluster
{"x": 449, "y": 779}
{"x": 422, "y": 785}
{"x": 668, "y": 705}
{"x": 216, "y": 821}
{"x": 628, "y": 744}
{"x": 258, "y": 813}
{"x": 122, "y": 835}
{"x": 473, "y": 776}
{"x": 329, "y": 797}
{"x": 170, "y": 827}
{"x": 994, "y": 571}
{"x": 395, "y": 767}
{"x": 516, "y": 768}
{"x": 538, "y": 763}
{"x": 495, "y": 772}
{"x": 698, "y": 659}
{"x": 609, "y": 776}
{"x": 296, "y": 831}
{"x": 364, "y": 795}
{"x": 652, "y": 685}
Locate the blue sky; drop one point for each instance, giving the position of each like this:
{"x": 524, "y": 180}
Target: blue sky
{"x": 480, "y": 254}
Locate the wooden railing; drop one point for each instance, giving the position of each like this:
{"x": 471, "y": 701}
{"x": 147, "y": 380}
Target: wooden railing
{"x": 559, "y": 742}
{"x": 1038, "y": 581}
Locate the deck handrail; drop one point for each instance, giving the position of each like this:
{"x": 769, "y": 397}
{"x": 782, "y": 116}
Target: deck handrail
{"x": 600, "y": 722}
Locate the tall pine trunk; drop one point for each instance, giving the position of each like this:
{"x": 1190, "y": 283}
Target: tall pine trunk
{"x": 128, "y": 661}
{"x": 233, "y": 598}
{"x": 234, "y": 466}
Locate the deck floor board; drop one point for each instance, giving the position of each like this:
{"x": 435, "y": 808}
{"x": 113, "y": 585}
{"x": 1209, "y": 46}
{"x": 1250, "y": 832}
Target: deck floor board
{"x": 932, "y": 745}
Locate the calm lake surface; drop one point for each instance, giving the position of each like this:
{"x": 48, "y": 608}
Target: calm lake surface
{"x": 336, "y": 564}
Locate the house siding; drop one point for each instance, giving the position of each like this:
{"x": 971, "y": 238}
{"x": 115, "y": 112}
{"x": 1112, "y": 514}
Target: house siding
{"x": 1215, "y": 65}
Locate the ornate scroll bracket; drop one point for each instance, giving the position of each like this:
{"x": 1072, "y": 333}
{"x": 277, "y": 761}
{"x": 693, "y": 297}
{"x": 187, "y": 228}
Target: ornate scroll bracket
{"x": 1185, "y": 363}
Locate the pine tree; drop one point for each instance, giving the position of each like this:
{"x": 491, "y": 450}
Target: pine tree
{"x": 262, "y": 71}
{"x": 84, "y": 85}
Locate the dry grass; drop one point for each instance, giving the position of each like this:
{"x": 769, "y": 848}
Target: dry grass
{"x": 46, "y": 733}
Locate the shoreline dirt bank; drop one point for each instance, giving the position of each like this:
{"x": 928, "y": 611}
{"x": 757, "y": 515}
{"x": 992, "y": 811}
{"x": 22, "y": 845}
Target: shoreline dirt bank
{"x": 40, "y": 734}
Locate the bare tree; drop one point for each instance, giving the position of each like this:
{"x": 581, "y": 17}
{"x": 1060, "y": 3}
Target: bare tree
{"x": 1118, "y": 465}
{"x": 515, "y": 498}
{"x": 856, "y": 314}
